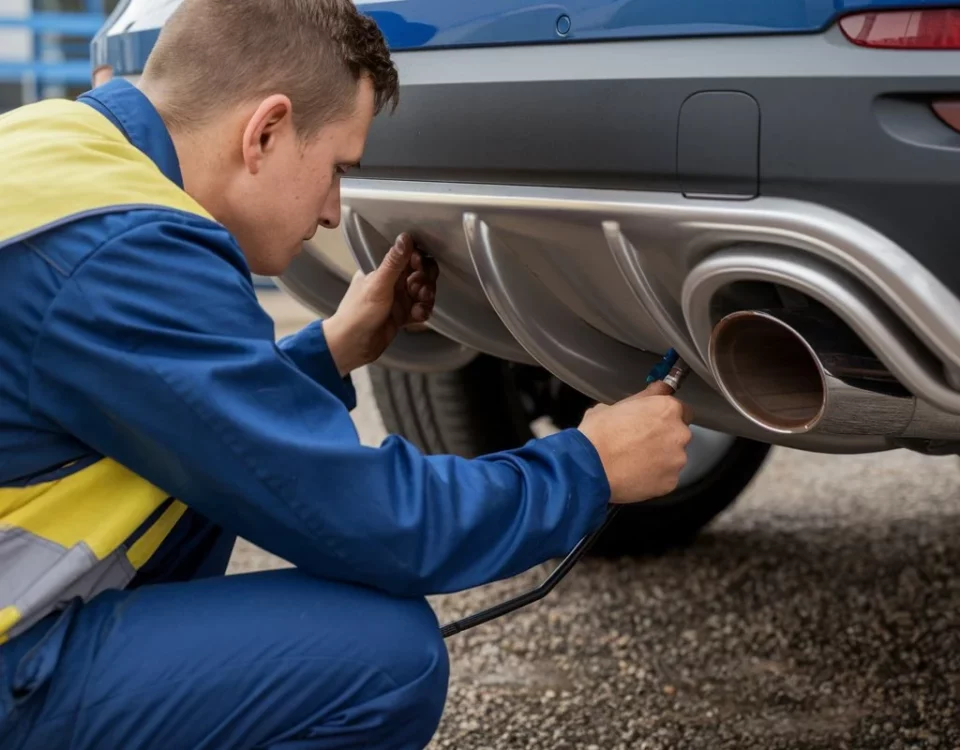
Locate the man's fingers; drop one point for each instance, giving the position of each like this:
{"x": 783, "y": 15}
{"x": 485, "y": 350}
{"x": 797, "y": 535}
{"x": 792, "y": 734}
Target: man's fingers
{"x": 415, "y": 282}
{"x": 395, "y": 263}
{"x": 659, "y": 388}
{"x": 424, "y": 263}
{"x": 412, "y": 276}
{"x": 421, "y": 312}
{"x": 402, "y": 304}
{"x": 420, "y": 287}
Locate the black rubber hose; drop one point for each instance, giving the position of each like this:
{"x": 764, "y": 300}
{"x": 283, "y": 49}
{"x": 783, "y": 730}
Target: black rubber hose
{"x": 499, "y": 610}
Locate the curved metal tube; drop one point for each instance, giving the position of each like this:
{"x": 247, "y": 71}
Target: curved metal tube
{"x": 874, "y": 260}
{"x": 883, "y": 332}
{"x": 794, "y": 372}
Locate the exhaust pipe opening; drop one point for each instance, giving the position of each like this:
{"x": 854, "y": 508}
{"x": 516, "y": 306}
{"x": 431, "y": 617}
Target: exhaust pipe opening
{"x": 768, "y": 371}
{"x": 797, "y": 369}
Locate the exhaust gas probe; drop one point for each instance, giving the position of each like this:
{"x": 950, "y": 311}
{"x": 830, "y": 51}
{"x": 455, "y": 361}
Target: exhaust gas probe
{"x": 671, "y": 370}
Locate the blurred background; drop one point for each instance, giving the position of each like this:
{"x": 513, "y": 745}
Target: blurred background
{"x": 45, "y": 48}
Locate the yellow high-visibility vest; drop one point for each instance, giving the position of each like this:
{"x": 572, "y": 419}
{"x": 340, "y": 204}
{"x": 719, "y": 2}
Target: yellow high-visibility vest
{"x": 85, "y": 531}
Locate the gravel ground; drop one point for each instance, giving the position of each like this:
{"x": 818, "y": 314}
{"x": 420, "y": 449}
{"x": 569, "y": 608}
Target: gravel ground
{"x": 822, "y": 612}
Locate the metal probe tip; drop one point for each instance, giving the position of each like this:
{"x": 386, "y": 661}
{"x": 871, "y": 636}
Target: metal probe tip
{"x": 678, "y": 373}
{"x": 671, "y": 370}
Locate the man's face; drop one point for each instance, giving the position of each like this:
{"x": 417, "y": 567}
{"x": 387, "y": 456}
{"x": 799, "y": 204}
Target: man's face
{"x": 290, "y": 186}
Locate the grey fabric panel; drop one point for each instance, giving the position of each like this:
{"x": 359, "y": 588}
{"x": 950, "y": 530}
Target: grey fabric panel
{"x": 38, "y": 576}
{"x": 24, "y": 558}
{"x": 71, "y": 566}
{"x": 113, "y": 572}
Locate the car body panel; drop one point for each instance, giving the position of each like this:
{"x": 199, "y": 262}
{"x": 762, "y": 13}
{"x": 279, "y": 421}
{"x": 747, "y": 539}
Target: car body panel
{"x": 132, "y": 29}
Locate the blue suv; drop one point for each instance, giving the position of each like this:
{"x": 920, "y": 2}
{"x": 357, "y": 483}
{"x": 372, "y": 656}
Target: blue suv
{"x": 772, "y": 187}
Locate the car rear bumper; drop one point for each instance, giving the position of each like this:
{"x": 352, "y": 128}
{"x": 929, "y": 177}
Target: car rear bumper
{"x": 590, "y": 204}
{"x": 594, "y": 284}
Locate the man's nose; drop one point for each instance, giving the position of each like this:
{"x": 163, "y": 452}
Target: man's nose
{"x": 330, "y": 215}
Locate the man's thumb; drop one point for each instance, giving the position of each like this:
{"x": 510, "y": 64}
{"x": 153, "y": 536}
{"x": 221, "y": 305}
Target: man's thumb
{"x": 395, "y": 262}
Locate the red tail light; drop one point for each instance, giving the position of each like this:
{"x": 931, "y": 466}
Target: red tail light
{"x": 949, "y": 111}
{"x": 936, "y": 28}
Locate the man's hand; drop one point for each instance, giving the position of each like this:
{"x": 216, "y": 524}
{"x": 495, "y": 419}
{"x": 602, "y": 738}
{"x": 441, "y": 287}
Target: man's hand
{"x": 642, "y": 443}
{"x": 377, "y": 305}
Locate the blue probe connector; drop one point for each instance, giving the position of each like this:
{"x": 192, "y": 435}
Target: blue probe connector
{"x": 663, "y": 367}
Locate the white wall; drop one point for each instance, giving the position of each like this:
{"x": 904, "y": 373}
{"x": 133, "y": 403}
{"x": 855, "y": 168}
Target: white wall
{"x": 15, "y": 44}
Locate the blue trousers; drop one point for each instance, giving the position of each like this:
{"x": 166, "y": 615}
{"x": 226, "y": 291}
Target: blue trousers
{"x": 266, "y": 660}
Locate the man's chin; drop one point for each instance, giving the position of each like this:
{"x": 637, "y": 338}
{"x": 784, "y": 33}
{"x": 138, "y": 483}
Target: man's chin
{"x": 276, "y": 265}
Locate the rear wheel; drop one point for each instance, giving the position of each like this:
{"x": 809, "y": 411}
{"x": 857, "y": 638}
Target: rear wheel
{"x": 492, "y": 405}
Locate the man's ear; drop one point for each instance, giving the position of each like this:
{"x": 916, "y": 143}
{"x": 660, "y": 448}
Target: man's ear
{"x": 271, "y": 120}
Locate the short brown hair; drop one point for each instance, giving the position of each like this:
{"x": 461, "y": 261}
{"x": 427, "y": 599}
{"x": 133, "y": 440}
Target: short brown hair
{"x": 214, "y": 54}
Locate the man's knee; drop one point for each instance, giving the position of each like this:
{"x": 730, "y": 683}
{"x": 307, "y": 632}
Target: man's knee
{"x": 362, "y": 664}
{"x": 419, "y": 665}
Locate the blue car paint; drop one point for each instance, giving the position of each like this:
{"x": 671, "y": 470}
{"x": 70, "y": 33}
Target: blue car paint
{"x": 430, "y": 24}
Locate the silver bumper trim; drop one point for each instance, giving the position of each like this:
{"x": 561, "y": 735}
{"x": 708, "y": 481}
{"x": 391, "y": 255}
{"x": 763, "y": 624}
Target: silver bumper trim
{"x": 595, "y": 284}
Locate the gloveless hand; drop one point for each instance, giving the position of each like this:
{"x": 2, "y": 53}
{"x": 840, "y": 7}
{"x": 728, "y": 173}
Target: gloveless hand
{"x": 400, "y": 292}
{"x": 642, "y": 443}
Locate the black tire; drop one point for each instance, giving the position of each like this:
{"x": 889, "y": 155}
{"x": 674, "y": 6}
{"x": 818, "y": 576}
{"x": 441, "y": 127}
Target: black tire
{"x": 486, "y": 407}
{"x": 467, "y": 412}
{"x": 656, "y": 526}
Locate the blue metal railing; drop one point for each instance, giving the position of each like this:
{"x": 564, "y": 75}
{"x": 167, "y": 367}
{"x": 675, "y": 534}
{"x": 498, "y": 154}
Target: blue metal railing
{"x": 70, "y": 72}
{"x": 73, "y": 24}
{"x": 58, "y": 59}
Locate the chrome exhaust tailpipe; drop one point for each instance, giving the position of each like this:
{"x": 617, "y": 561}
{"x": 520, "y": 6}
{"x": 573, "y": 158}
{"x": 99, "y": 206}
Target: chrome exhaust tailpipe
{"x": 799, "y": 371}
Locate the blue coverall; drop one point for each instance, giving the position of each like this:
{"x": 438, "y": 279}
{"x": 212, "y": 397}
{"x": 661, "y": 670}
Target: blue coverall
{"x": 137, "y": 335}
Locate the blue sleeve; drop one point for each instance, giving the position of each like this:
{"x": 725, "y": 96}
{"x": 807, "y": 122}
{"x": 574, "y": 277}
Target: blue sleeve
{"x": 157, "y": 354}
{"x": 309, "y": 351}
